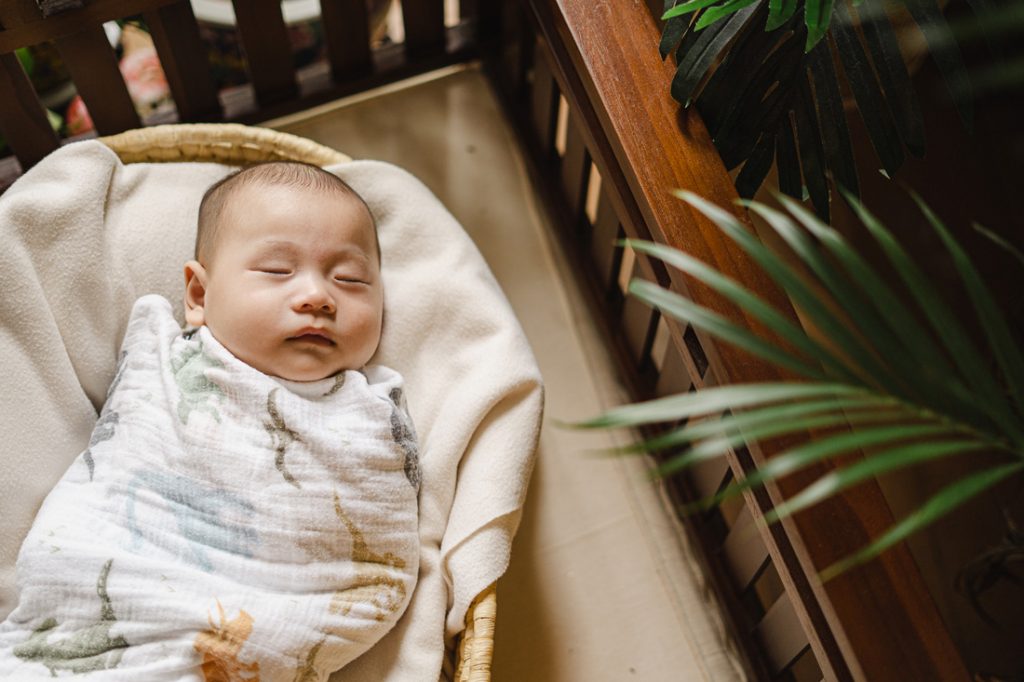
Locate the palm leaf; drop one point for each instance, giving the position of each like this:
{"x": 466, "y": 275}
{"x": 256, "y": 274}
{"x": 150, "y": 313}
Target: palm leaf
{"x": 877, "y": 410}
{"x": 688, "y": 405}
{"x": 817, "y": 16}
{"x": 793, "y": 460}
{"x": 946, "y": 326}
{"x": 880, "y": 463}
{"x": 939, "y": 505}
{"x": 746, "y": 102}
{"x": 957, "y": 405}
{"x": 779, "y": 12}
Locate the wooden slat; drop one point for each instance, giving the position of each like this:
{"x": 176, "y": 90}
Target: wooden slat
{"x": 25, "y": 24}
{"x": 183, "y": 57}
{"x": 91, "y": 61}
{"x": 643, "y": 147}
{"x": 706, "y": 477}
{"x": 781, "y": 634}
{"x": 673, "y": 377}
{"x": 347, "y": 32}
{"x": 638, "y": 322}
{"x": 267, "y": 49}
{"x": 544, "y": 101}
{"x": 603, "y": 238}
{"x": 744, "y": 552}
{"x": 424, "y": 26}
{"x": 22, "y": 118}
{"x": 575, "y": 172}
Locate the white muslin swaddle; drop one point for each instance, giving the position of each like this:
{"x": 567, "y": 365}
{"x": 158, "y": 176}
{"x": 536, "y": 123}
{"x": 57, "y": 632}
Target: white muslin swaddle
{"x": 222, "y": 524}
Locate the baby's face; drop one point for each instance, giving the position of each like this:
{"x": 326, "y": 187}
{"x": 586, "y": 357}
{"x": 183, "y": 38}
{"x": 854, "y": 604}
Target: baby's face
{"x": 293, "y": 287}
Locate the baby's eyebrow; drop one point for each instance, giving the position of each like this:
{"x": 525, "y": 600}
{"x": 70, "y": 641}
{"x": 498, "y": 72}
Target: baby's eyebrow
{"x": 274, "y": 247}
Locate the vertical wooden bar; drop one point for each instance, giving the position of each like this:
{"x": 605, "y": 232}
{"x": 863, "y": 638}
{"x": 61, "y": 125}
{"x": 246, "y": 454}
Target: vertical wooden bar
{"x": 183, "y": 58}
{"x": 744, "y": 552}
{"x": 93, "y": 67}
{"x": 267, "y": 49}
{"x": 346, "y": 27}
{"x": 575, "y": 172}
{"x": 781, "y": 634}
{"x": 22, "y": 118}
{"x": 602, "y": 242}
{"x": 424, "y": 26}
{"x": 544, "y": 105}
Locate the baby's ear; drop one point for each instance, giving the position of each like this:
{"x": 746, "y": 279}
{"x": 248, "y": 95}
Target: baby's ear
{"x": 195, "y": 294}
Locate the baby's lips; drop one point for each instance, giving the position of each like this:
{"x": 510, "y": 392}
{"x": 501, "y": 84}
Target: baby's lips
{"x": 313, "y": 335}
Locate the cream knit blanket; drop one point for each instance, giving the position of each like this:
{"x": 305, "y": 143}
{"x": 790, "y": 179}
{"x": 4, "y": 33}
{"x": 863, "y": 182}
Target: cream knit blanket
{"x": 84, "y": 236}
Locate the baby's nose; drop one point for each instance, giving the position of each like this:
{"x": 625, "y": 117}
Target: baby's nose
{"x": 316, "y": 297}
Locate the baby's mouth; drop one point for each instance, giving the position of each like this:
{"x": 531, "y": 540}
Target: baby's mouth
{"x": 315, "y": 338}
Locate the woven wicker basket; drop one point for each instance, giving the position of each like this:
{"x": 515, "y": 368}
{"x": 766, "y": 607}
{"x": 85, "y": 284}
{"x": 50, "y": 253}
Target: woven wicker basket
{"x": 238, "y": 145}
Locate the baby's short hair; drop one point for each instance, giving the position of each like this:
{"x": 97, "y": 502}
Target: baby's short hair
{"x": 287, "y": 173}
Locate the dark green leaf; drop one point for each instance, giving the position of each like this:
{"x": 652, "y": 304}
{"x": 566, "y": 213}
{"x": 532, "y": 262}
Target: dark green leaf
{"x": 779, "y": 12}
{"x": 902, "y": 363}
{"x": 949, "y": 330}
{"x": 834, "y": 135}
{"x": 817, "y": 16}
{"x": 812, "y": 160}
{"x": 748, "y": 301}
{"x": 999, "y": 241}
{"x": 699, "y": 50}
{"x": 836, "y": 330}
{"x": 750, "y": 88}
{"x": 683, "y": 309}
{"x": 936, "y": 507}
{"x": 879, "y": 463}
{"x": 720, "y": 95}
{"x": 870, "y": 102}
{"x": 687, "y": 8}
{"x": 786, "y": 160}
{"x": 672, "y": 34}
{"x": 723, "y": 443}
{"x": 711, "y": 400}
{"x": 756, "y": 167}
{"x": 828, "y": 447}
{"x": 761, "y": 106}
{"x": 947, "y": 394}
{"x": 946, "y": 54}
{"x": 892, "y": 74}
{"x": 991, "y": 318}
{"x": 877, "y": 408}
{"x": 713, "y": 14}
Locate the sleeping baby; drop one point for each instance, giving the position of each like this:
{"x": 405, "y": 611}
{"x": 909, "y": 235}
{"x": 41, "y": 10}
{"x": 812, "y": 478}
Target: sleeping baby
{"x": 247, "y": 506}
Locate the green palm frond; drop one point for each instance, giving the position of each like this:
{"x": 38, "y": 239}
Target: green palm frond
{"x": 765, "y": 76}
{"x": 902, "y": 381}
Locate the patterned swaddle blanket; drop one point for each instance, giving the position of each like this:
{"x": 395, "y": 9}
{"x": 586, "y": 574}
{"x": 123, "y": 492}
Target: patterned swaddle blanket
{"x": 222, "y": 524}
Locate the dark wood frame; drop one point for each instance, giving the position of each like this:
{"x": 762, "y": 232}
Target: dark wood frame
{"x": 877, "y": 622}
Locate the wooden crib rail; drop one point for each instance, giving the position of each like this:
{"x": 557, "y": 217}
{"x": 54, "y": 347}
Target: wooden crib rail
{"x": 277, "y": 88}
{"x": 590, "y": 97}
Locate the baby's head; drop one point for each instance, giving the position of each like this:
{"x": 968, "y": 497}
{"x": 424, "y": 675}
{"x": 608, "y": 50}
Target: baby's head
{"x": 286, "y": 273}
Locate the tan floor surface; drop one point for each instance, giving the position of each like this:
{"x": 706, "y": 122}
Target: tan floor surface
{"x": 601, "y": 586}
